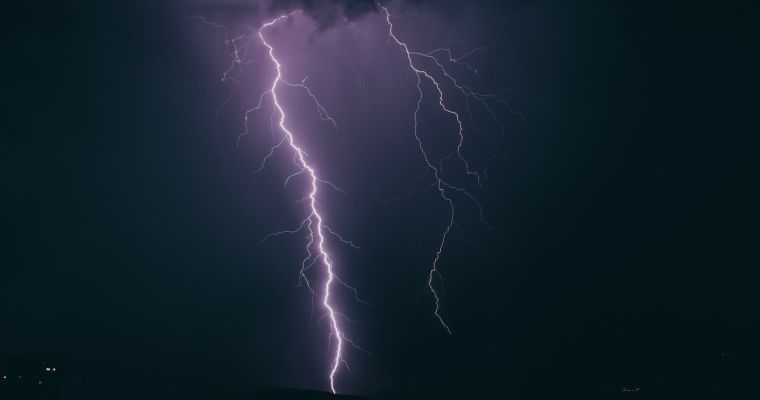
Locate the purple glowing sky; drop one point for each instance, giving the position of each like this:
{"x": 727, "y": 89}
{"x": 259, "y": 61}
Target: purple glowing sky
{"x": 431, "y": 68}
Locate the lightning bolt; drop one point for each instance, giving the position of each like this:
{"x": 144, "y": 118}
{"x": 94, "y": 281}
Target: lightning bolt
{"x": 443, "y": 186}
{"x": 315, "y": 224}
{"x": 316, "y": 250}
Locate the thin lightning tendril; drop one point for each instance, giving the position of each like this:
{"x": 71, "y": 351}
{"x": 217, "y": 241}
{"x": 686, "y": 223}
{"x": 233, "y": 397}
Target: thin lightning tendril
{"x": 322, "y": 111}
{"x": 437, "y": 173}
{"x": 461, "y": 59}
{"x": 441, "y": 184}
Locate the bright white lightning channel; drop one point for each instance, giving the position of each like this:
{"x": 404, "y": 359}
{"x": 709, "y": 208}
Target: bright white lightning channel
{"x": 314, "y": 221}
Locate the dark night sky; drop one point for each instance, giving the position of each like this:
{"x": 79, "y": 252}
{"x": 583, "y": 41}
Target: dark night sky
{"x": 627, "y": 195}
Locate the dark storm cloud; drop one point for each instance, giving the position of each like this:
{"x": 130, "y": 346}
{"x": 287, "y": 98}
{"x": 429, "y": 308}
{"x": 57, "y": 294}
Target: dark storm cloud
{"x": 328, "y": 12}
{"x": 325, "y": 13}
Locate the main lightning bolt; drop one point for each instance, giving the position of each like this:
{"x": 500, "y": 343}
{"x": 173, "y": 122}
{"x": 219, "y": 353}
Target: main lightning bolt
{"x": 314, "y": 221}
{"x": 237, "y": 49}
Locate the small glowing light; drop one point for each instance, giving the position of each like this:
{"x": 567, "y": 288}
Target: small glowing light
{"x": 53, "y": 369}
{"x": 39, "y": 382}
{"x": 47, "y": 369}
{"x": 5, "y": 376}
